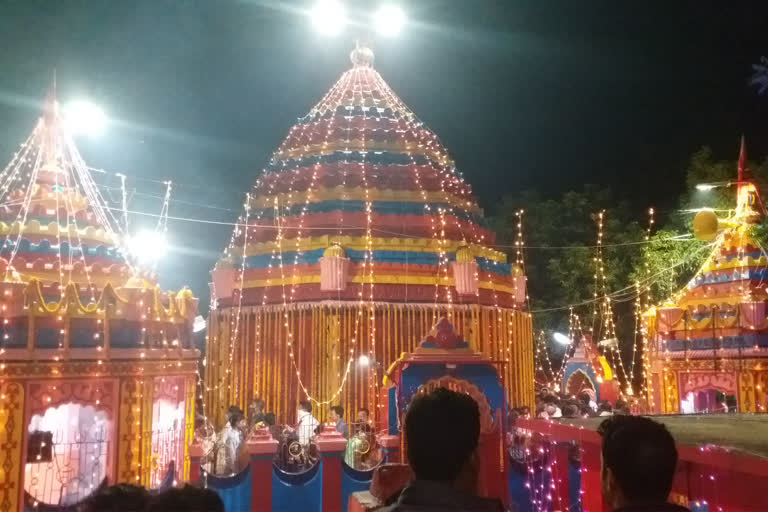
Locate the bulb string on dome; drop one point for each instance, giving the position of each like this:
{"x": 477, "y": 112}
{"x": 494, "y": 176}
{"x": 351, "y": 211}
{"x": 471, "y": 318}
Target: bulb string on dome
{"x": 362, "y": 73}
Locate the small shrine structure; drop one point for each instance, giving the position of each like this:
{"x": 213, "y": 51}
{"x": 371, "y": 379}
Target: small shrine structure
{"x": 445, "y": 359}
{"x": 97, "y": 364}
{"x": 588, "y": 371}
{"x": 707, "y": 347}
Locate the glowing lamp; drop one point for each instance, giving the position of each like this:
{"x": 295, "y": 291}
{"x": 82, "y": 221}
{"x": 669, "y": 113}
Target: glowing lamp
{"x": 334, "y": 269}
{"x": 363, "y": 361}
{"x": 465, "y": 271}
{"x": 223, "y": 285}
{"x": 147, "y": 246}
{"x": 328, "y": 17}
{"x": 85, "y": 118}
{"x": 519, "y": 283}
{"x": 389, "y": 20}
{"x": 752, "y": 314}
{"x": 561, "y": 338}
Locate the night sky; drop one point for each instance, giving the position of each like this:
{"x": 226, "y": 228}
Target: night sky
{"x": 546, "y": 95}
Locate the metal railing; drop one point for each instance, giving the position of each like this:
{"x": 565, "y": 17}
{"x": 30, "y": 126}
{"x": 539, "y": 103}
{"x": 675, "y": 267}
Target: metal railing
{"x": 64, "y": 467}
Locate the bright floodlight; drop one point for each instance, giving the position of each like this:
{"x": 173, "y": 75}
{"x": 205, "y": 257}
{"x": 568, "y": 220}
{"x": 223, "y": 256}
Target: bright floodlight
{"x": 147, "y": 246}
{"x": 562, "y": 338}
{"x": 328, "y": 17}
{"x": 705, "y": 187}
{"x": 389, "y": 20}
{"x": 363, "y": 360}
{"x": 85, "y": 118}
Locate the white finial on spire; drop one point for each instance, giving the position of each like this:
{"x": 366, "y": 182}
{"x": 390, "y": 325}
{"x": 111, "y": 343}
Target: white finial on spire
{"x": 362, "y": 56}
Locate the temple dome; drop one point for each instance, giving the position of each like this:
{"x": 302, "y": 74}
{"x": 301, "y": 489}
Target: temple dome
{"x": 362, "y": 171}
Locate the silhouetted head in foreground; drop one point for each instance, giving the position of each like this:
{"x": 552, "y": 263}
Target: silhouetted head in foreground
{"x": 117, "y": 498}
{"x": 188, "y": 499}
{"x": 442, "y": 429}
{"x": 639, "y": 461}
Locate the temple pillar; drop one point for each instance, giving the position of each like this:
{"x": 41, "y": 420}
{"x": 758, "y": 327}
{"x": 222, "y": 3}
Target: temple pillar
{"x": 195, "y": 451}
{"x": 561, "y": 498}
{"x": 591, "y": 485}
{"x": 261, "y": 448}
{"x": 390, "y": 448}
{"x": 746, "y": 392}
{"x": 330, "y": 446}
{"x": 12, "y": 455}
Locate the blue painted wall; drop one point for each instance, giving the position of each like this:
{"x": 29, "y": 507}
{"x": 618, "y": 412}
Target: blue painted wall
{"x": 297, "y": 492}
{"x": 235, "y": 491}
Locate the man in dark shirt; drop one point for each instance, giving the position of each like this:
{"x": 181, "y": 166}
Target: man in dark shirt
{"x": 255, "y": 411}
{"x": 442, "y": 429}
{"x": 337, "y": 416}
{"x": 639, "y": 462}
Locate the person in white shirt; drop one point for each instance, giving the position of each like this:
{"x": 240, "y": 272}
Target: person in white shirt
{"x": 228, "y": 443}
{"x": 553, "y": 411}
{"x": 307, "y": 424}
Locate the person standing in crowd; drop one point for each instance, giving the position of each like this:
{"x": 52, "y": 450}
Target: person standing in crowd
{"x": 188, "y": 498}
{"x": 307, "y": 423}
{"x": 255, "y": 411}
{"x": 605, "y": 409}
{"x": 206, "y": 436}
{"x": 620, "y": 407}
{"x": 363, "y": 416}
{"x": 337, "y": 416}
{"x": 275, "y": 430}
{"x": 639, "y": 463}
{"x": 587, "y": 397}
{"x": 229, "y": 443}
{"x": 442, "y": 431}
{"x": 117, "y": 498}
{"x": 358, "y": 451}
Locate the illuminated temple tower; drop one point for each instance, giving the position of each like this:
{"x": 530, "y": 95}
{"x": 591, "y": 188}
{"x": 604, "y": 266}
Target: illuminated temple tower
{"x": 97, "y": 366}
{"x": 360, "y": 234}
{"x": 709, "y": 343}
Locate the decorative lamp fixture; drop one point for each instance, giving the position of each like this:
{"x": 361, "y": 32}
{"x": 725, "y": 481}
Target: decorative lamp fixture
{"x": 752, "y": 314}
{"x": 519, "y": 282}
{"x": 465, "y": 271}
{"x": 223, "y": 281}
{"x": 334, "y": 269}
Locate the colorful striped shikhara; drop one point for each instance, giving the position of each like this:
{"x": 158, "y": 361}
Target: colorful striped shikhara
{"x": 360, "y": 208}
{"x": 712, "y": 336}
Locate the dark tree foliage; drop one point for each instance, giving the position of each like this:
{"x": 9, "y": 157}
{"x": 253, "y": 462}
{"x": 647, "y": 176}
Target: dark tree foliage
{"x": 560, "y": 234}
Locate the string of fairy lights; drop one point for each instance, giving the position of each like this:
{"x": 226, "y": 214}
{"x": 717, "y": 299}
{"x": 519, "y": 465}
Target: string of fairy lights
{"x": 47, "y": 179}
{"x": 438, "y": 224}
{"x": 602, "y": 301}
{"x": 441, "y": 237}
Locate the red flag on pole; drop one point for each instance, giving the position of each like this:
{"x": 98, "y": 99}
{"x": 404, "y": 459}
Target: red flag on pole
{"x": 742, "y": 160}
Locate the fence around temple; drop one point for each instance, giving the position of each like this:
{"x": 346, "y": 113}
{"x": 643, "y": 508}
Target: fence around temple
{"x": 556, "y": 467}
{"x": 263, "y": 485}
